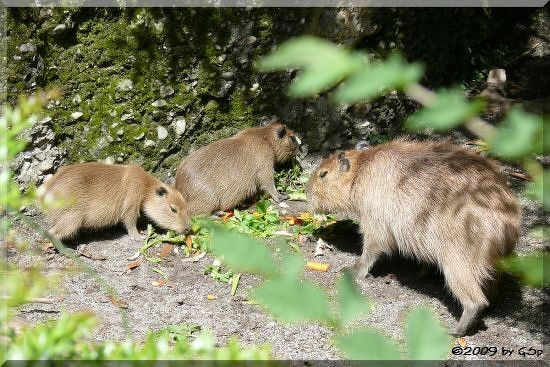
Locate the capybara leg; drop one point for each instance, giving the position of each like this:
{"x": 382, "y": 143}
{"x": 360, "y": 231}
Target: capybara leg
{"x": 366, "y": 261}
{"x": 272, "y": 191}
{"x": 267, "y": 185}
{"x": 133, "y": 233}
{"x": 65, "y": 227}
{"x": 466, "y": 287}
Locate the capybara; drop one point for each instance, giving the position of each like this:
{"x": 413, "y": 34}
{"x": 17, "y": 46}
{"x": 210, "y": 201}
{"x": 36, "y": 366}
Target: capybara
{"x": 97, "y": 195}
{"x": 435, "y": 202}
{"x": 221, "y": 175}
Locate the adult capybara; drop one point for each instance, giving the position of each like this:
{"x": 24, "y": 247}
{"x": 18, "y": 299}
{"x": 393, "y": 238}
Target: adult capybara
{"x": 221, "y": 175}
{"x": 97, "y": 195}
{"x": 435, "y": 202}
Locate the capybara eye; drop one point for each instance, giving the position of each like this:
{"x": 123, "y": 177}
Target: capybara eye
{"x": 323, "y": 174}
{"x": 281, "y": 132}
{"x": 161, "y": 191}
{"x": 173, "y": 209}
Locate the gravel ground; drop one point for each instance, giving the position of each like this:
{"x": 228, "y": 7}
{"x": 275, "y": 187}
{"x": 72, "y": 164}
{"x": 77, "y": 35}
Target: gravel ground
{"x": 514, "y": 320}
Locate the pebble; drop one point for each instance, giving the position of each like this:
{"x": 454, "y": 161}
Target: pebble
{"x": 162, "y": 133}
{"x": 59, "y": 28}
{"x": 77, "y": 99}
{"x": 149, "y": 143}
{"x": 227, "y": 75}
{"x": 27, "y": 47}
{"x": 120, "y": 132}
{"x": 180, "y": 126}
{"x": 76, "y": 115}
{"x": 254, "y": 86}
{"x": 126, "y": 116}
{"x": 140, "y": 136}
{"x": 251, "y": 40}
{"x": 125, "y": 85}
{"x": 166, "y": 91}
{"x": 46, "y": 165}
{"x": 159, "y": 103}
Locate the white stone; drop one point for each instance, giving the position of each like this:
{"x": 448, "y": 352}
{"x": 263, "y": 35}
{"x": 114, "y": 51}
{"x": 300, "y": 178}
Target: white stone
{"x": 159, "y": 103}
{"x": 162, "y": 133}
{"x": 255, "y": 86}
{"x": 126, "y": 116}
{"x": 125, "y": 85}
{"x": 166, "y": 90}
{"x": 59, "y": 28}
{"x": 76, "y": 115}
{"x": 149, "y": 143}
{"x": 180, "y": 126}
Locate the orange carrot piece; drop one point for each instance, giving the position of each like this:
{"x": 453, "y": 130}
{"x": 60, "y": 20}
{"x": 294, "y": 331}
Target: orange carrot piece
{"x": 312, "y": 265}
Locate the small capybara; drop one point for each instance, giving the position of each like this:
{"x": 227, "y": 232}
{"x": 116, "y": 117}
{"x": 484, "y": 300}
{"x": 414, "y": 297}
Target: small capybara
{"x": 221, "y": 175}
{"x": 97, "y": 195}
{"x": 435, "y": 202}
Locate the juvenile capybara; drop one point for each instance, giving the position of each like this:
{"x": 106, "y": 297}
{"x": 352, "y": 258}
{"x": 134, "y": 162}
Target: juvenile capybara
{"x": 221, "y": 175}
{"x": 97, "y": 195}
{"x": 435, "y": 202}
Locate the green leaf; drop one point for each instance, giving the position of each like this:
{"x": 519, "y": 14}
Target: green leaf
{"x": 518, "y": 135}
{"x": 235, "y": 283}
{"x": 393, "y": 73}
{"x": 293, "y": 300}
{"x": 352, "y": 304}
{"x": 241, "y": 252}
{"x": 530, "y": 268}
{"x": 539, "y": 189}
{"x": 449, "y": 110}
{"x": 324, "y": 64}
{"x": 293, "y": 264}
{"x": 426, "y": 338}
{"x": 368, "y": 344}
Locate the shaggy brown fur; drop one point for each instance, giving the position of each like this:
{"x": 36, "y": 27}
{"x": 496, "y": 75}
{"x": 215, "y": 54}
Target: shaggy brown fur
{"x": 97, "y": 195}
{"x": 221, "y": 175}
{"x": 433, "y": 201}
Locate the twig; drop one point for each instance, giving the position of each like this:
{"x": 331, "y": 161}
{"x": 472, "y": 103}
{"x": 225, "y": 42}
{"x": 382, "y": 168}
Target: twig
{"x": 34, "y": 300}
{"x": 426, "y": 97}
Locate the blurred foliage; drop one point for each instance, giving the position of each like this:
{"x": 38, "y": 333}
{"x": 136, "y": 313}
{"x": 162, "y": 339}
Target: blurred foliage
{"x": 518, "y": 137}
{"x": 13, "y": 121}
{"x": 290, "y": 298}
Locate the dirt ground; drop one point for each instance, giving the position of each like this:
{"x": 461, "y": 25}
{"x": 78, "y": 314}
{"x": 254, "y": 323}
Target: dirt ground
{"x": 514, "y": 320}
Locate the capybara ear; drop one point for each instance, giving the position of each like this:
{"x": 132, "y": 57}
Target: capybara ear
{"x": 264, "y": 121}
{"x": 343, "y": 163}
{"x": 362, "y": 145}
{"x": 161, "y": 191}
{"x": 281, "y": 132}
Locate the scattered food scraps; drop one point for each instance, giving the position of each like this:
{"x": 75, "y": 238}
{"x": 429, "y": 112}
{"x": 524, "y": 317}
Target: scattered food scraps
{"x": 312, "y": 265}
{"x": 134, "y": 256}
{"x": 227, "y": 215}
{"x": 211, "y": 297}
{"x": 189, "y": 242}
{"x": 461, "y": 341}
{"x": 166, "y": 250}
{"x": 118, "y": 302}
{"x": 132, "y": 265}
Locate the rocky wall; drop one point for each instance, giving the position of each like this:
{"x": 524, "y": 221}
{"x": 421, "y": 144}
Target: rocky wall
{"x": 149, "y": 85}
